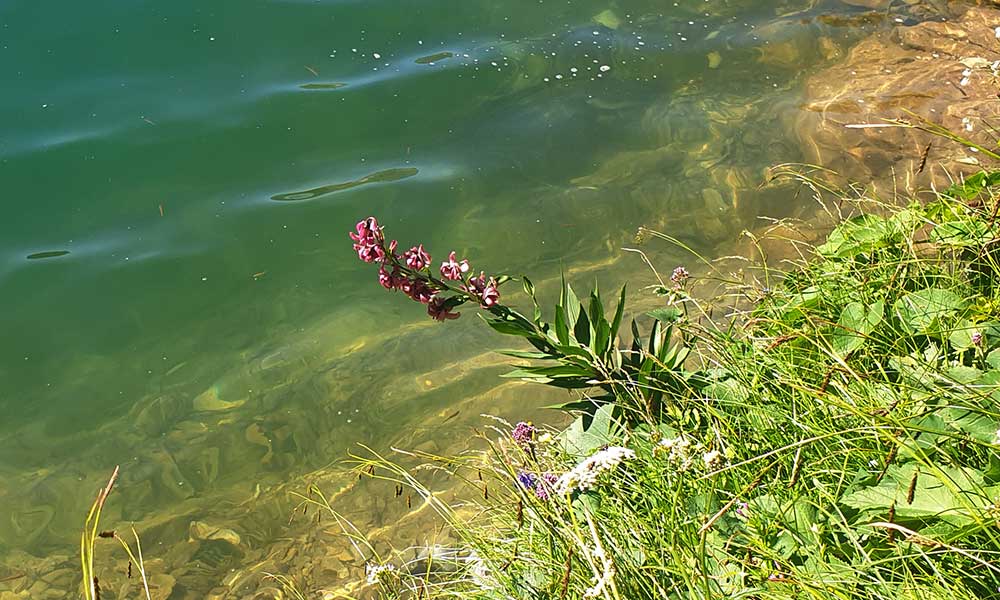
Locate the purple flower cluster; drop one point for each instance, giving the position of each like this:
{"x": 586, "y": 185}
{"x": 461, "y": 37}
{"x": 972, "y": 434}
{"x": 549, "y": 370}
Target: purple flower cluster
{"x": 543, "y": 484}
{"x": 523, "y": 433}
{"x": 411, "y": 274}
{"x": 679, "y": 276}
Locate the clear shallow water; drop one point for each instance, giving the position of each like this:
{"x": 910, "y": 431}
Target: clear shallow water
{"x": 205, "y": 323}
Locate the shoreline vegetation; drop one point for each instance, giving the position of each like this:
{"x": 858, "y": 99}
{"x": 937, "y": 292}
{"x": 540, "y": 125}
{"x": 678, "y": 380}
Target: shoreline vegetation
{"x": 835, "y": 435}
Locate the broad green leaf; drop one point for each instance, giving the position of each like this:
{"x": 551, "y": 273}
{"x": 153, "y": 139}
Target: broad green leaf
{"x": 974, "y": 423}
{"x": 799, "y": 305}
{"x": 587, "y": 503}
{"x": 572, "y": 350}
{"x": 921, "y": 312}
{"x": 655, "y": 339}
{"x": 961, "y": 337}
{"x": 667, "y": 315}
{"x": 855, "y": 324}
{"x": 830, "y": 571}
{"x": 602, "y": 338}
{"x": 960, "y": 234}
{"x": 963, "y": 375}
{"x": 932, "y": 497}
{"x": 635, "y": 355}
{"x": 604, "y": 429}
{"x": 973, "y": 185}
{"x": 587, "y": 405}
{"x": 728, "y": 390}
{"x": 855, "y": 236}
{"x": 993, "y": 359}
{"x": 596, "y": 306}
{"x": 600, "y": 341}
{"x": 529, "y": 289}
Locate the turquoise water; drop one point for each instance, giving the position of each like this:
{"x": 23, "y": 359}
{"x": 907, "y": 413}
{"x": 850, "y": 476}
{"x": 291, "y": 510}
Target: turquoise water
{"x": 179, "y": 295}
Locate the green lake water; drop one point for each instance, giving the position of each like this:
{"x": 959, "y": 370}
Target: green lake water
{"x": 178, "y": 291}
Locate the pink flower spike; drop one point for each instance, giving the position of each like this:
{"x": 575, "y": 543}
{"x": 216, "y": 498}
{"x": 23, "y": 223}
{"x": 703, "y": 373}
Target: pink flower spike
{"x": 475, "y": 285}
{"x": 387, "y": 279}
{"x": 417, "y": 258}
{"x": 452, "y": 269}
{"x": 491, "y": 295}
{"x": 418, "y": 290}
{"x": 368, "y": 240}
{"x": 438, "y": 310}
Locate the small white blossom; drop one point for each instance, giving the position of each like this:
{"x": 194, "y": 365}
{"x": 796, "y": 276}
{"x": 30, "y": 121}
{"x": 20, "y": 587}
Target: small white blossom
{"x": 680, "y": 451}
{"x": 585, "y": 475}
{"x": 374, "y": 572}
{"x": 967, "y": 123}
{"x": 712, "y": 458}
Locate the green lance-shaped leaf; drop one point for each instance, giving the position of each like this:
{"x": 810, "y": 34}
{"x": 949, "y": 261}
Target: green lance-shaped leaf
{"x": 583, "y": 331}
{"x": 601, "y": 339}
{"x": 529, "y": 289}
{"x": 570, "y": 303}
{"x": 619, "y": 313}
{"x": 562, "y": 326}
{"x": 655, "y": 339}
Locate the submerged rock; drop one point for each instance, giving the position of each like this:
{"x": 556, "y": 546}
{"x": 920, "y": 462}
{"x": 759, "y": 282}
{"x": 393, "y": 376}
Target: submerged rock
{"x": 210, "y": 401}
{"x": 944, "y": 72}
{"x": 157, "y": 416}
{"x": 203, "y": 532}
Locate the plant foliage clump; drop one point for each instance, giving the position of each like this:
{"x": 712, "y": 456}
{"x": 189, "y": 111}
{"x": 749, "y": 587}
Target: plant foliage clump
{"x": 837, "y": 439}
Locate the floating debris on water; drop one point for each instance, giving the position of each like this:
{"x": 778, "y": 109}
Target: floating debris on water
{"x": 377, "y": 177}
{"x": 322, "y": 86}
{"x": 433, "y": 58}
{"x": 48, "y": 254}
{"x": 608, "y": 18}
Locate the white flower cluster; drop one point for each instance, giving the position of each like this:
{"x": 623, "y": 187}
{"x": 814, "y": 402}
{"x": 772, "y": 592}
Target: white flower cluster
{"x": 585, "y": 475}
{"x": 712, "y": 458}
{"x": 680, "y": 449}
{"x": 683, "y": 451}
{"x": 374, "y": 572}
